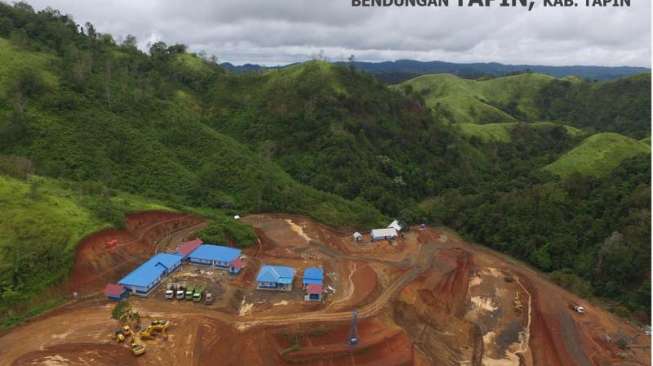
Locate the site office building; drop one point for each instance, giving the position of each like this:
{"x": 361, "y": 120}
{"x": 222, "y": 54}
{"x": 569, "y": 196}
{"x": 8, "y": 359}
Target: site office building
{"x": 149, "y": 274}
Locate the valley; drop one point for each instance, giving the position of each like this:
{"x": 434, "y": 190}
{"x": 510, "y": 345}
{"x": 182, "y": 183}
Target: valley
{"x": 525, "y": 195}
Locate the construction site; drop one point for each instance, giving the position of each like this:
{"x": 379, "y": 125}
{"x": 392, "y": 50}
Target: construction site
{"x": 308, "y": 294}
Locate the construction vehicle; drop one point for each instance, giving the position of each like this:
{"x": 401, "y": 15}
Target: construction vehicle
{"x": 181, "y": 292}
{"x": 208, "y": 298}
{"x": 197, "y": 295}
{"x": 122, "y": 334}
{"x": 137, "y": 347}
{"x": 189, "y": 292}
{"x": 577, "y": 308}
{"x": 155, "y": 327}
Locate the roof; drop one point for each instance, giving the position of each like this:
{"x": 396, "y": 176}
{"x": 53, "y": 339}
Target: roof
{"x": 152, "y": 269}
{"x": 313, "y": 273}
{"x": 113, "y": 290}
{"x": 276, "y": 274}
{"x": 238, "y": 263}
{"x": 314, "y": 289}
{"x": 214, "y": 252}
{"x": 186, "y": 248}
{"x": 384, "y": 232}
{"x": 395, "y": 225}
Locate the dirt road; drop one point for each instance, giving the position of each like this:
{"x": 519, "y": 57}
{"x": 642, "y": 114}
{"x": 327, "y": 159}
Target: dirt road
{"x": 77, "y": 333}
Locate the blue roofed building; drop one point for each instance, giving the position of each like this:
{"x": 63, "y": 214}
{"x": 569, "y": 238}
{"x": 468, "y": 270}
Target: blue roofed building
{"x": 148, "y": 275}
{"x": 217, "y": 256}
{"x": 275, "y": 278}
{"x": 313, "y": 276}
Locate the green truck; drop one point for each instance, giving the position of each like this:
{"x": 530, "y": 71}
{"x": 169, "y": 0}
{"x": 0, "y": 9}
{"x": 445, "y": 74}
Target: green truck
{"x": 197, "y": 295}
{"x": 190, "y": 290}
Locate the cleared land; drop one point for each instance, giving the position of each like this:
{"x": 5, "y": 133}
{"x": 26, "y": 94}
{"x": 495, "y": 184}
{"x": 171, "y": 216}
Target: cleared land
{"x": 429, "y": 298}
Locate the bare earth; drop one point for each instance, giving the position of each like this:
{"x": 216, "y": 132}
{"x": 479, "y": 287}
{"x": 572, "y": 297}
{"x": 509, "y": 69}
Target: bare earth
{"x": 428, "y": 299}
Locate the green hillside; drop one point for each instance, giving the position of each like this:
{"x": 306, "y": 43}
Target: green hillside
{"x": 41, "y": 222}
{"x": 501, "y": 132}
{"x": 598, "y": 155}
{"x": 330, "y": 142}
{"x": 507, "y": 98}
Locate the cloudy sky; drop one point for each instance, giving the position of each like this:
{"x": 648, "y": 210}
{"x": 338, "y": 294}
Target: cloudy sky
{"x": 282, "y": 31}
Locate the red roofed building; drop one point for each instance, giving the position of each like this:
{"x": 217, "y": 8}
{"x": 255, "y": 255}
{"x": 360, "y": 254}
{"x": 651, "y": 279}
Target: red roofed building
{"x": 314, "y": 292}
{"x": 184, "y": 249}
{"x": 115, "y": 292}
{"x": 236, "y": 265}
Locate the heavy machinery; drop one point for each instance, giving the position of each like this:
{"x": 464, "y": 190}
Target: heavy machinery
{"x": 155, "y": 327}
{"x": 137, "y": 347}
{"x": 353, "y": 331}
{"x": 208, "y": 298}
{"x": 198, "y": 293}
{"x": 189, "y": 292}
{"x": 122, "y": 334}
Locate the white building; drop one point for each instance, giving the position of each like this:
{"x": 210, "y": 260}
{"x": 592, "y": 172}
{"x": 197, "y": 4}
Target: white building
{"x": 395, "y": 225}
{"x": 358, "y": 236}
{"x": 384, "y": 234}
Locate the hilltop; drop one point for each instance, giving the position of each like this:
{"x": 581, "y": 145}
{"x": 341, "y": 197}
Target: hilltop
{"x": 401, "y": 70}
{"x": 502, "y": 99}
{"x": 621, "y": 105}
{"x": 598, "y": 155}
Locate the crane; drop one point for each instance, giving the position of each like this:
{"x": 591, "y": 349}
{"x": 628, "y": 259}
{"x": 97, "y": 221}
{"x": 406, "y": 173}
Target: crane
{"x": 353, "y": 332}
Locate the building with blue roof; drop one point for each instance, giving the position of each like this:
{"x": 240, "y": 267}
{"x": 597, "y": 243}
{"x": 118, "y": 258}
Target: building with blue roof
{"x": 148, "y": 275}
{"x": 275, "y": 278}
{"x": 313, "y": 276}
{"x": 217, "y": 256}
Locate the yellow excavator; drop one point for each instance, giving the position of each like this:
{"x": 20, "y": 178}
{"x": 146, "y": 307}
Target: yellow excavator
{"x": 136, "y": 344}
{"x": 156, "y": 326}
{"x": 122, "y": 334}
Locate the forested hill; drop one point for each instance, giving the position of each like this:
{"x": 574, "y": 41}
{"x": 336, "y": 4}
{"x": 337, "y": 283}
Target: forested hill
{"x": 509, "y": 162}
{"x": 401, "y": 70}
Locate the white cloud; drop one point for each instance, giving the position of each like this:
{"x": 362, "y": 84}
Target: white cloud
{"x": 283, "y": 31}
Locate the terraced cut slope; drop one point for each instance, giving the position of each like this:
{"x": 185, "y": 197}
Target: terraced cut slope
{"x": 439, "y": 301}
{"x": 478, "y": 101}
{"x": 598, "y": 155}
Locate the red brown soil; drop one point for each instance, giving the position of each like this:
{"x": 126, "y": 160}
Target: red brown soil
{"x": 379, "y": 345}
{"x": 427, "y": 310}
{"x": 364, "y": 282}
{"x": 96, "y": 265}
{"x": 81, "y": 354}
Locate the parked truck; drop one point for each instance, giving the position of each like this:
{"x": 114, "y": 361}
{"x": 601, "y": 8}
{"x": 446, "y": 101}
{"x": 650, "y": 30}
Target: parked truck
{"x": 198, "y": 294}
{"x": 181, "y": 292}
{"x": 208, "y": 298}
{"x": 171, "y": 291}
{"x": 190, "y": 290}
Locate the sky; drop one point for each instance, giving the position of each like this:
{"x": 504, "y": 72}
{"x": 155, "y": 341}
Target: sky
{"x": 274, "y": 32}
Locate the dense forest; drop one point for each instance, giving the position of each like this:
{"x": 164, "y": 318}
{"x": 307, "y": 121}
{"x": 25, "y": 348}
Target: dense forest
{"x": 169, "y": 127}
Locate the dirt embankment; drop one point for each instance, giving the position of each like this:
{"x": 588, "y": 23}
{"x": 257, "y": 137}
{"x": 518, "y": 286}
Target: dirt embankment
{"x": 430, "y": 309}
{"x": 97, "y": 263}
